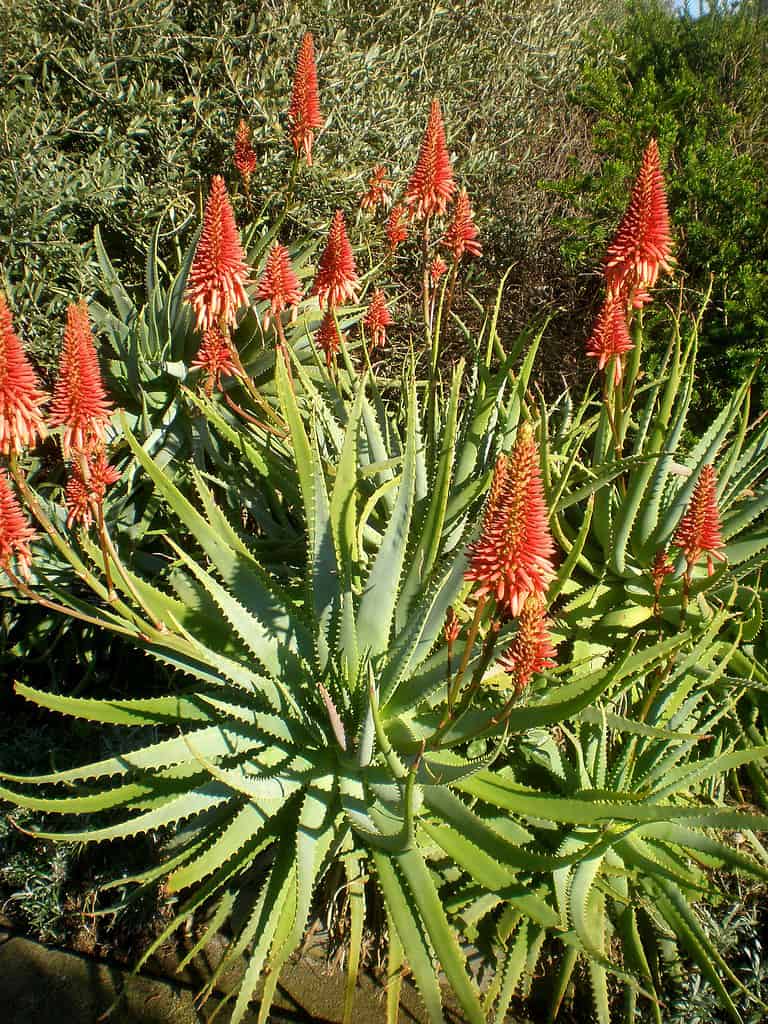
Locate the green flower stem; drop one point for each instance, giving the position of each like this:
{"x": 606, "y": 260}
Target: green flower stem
{"x": 68, "y": 553}
{"x": 425, "y": 283}
{"x": 109, "y": 550}
{"x": 468, "y": 648}
{"x": 73, "y": 613}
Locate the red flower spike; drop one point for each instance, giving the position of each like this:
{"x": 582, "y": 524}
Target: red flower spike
{"x": 531, "y": 650}
{"x": 215, "y": 357}
{"x": 431, "y": 186}
{"x": 80, "y": 404}
{"x": 279, "y": 285}
{"x": 661, "y": 568}
{"x": 397, "y": 229}
{"x": 15, "y": 531}
{"x": 244, "y": 157}
{"x": 21, "y": 423}
{"x": 512, "y": 559}
{"x": 304, "y": 115}
{"x": 698, "y": 532}
{"x": 336, "y": 280}
{"x": 84, "y": 496}
{"x": 610, "y": 335}
{"x": 377, "y": 319}
{"x": 462, "y": 235}
{"x": 378, "y": 189}
{"x": 437, "y": 268}
{"x": 219, "y": 273}
{"x": 642, "y": 244}
{"x": 328, "y": 337}
{"x": 452, "y": 627}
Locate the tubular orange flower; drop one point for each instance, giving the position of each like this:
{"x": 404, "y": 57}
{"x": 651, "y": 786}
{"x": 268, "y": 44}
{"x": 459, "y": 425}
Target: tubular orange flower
{"x": 328, "y": 336}
{"x": 512, "y": 559}
{"x": 80, "y": 404}
{"x": 215, "y": 357}
{"x": 437, "y": 268}
{"x": 378, "y": 189}
{"x": 431, "y": 186}
{"x": 377, "y": 319}
{"x": 610, "y": 335}
{"x": 219, "y": 273}
{"x": 397, "y": 229}
{"x": 304, "y": 115}
{"x": 279, "y": 285}
{"x": 462, "y": 234}
{"x": 698, "y": 532}
{"x": 15, "y": 531}
{"x": 244, "y": 157}
{"x": 336, "y": 280}
{"x": 642, "y": 244}
{"x": 82, "y": 496}
{"x": 21, "y": 422}
{"x": 531, "y": 650}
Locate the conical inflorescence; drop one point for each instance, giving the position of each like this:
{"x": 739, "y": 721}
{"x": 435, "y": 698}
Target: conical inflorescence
{"x": 219, "y": 272}
{"x": 279, "y": 285}
{"x": 462, "y": 235}
{"x": 642, "y": 244}
{"x": 610, "y": 335}
{"x": 80, "y": 405}
{"x": 377, "y": 319}
{"x": 698, "y": 532}
{"x": 21, "y": 422}
{"x": 336, "y": 281}
{"x": 431, "y": 186}
{"x": 512, "y": 559}
{"x": 15, "y": 532}
{"x": 531, "y": 650}
{"x": 304, "y": 117}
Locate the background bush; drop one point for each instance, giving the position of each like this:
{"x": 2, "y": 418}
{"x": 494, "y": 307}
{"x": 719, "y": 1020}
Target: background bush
{"x": 699, "y": 84}
{"x": 112, "y": 112}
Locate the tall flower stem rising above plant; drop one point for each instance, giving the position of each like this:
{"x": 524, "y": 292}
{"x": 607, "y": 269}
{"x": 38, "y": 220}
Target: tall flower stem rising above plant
{"x": 640, "y": 249}
{"x": 429, "y": 190}
{"x": 304, "y": 117}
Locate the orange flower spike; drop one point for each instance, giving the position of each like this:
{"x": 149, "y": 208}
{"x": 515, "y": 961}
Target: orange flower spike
{"x": 215, "y": 357}
{"x": 452, "y": 628}
{"x": 397, "y": 229}
{"x": 304, "y": 117}
{"x": 377, "y": 319}
{"x": 378, "y": 189}
{"x": 244, "y": 156}
{"x": 21, "y": 423}
{"x": 437, "y": 268}
{"x": 336, "y": 280}
{"x": 698, "y": 532}
{"x": 279, "y": 284}
{"x": 328, "y": 337}
{"x": 431, "y": 186}
{"x": 80, "y": 404}
{"x": 643, "y": 243}
{"x": 83, "y": 497}
{"x": 512, "y": 559}
{"x": 219, "y": 272}
{"x": 610, "y": 335}
{"x": 15, "y": 531}
{"x": 531, "y": 650}
{"x": 462, "y": 235}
